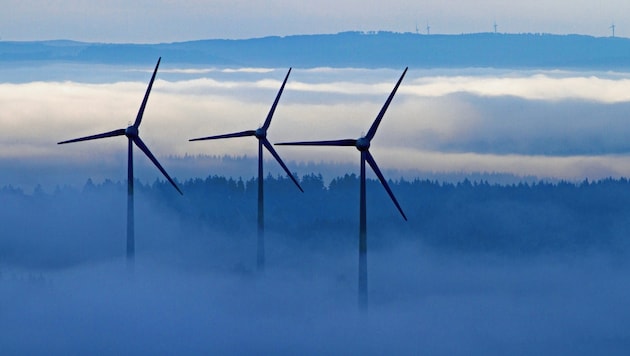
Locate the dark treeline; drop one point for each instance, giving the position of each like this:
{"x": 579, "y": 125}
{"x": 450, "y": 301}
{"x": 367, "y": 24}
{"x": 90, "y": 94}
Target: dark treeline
{"x": 467, "y": 216}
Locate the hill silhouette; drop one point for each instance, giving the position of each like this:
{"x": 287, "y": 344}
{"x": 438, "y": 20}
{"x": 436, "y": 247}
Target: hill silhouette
{"x": 348, "y": 49}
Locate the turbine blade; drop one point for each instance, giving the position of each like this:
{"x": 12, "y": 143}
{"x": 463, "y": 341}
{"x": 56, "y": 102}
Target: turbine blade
{"x": 275, "y": 103}
{"x": 145, "y": 149}
{"x": 346, "y": 142}
{"x": 230, "y": 135}
{"x": 119, "y": 132}
{"x": 380, "y": 115}
{"x": 275, "y": 155}
{"x": 146, "y": 96}
{"x": 376, "y": 170}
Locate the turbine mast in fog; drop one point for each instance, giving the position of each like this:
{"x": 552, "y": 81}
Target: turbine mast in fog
{"x": 133, "y": 137}
{"x": 261, "y": 135}
{"x": 363, "y": 145}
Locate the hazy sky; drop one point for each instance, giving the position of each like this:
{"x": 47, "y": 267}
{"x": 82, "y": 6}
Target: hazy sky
{"x": 168, "y": 20}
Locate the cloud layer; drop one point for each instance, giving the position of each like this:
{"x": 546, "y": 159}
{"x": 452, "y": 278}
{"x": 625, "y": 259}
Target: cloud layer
{"x": 550, "y": 124}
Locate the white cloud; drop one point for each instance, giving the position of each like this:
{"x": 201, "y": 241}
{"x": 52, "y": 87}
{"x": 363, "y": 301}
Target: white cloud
{"x": 558, "y": 124}
{"x": 533, "y": 87}
{"x": 199, "y": 71}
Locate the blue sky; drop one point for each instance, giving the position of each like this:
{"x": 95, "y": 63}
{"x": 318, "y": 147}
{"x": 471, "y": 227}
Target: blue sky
{"x": 168, "y": 20}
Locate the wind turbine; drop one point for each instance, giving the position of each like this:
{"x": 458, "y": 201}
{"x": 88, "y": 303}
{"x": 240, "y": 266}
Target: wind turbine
{"x": 133, "y": 137}
{"x": 261, "y": 135}
{"x": 612, "y": 27}
{"x": 363, "y": 145}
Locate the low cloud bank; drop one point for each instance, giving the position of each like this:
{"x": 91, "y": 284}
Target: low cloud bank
{"x": 420, "y": 301}
{"x": 468, "y": 120}
{"x": 471, "y": 280}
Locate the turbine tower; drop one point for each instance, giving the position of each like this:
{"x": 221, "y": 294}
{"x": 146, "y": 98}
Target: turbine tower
{"x": 261, "y": 135}
{"x": 363, "y": 145}
{"x": 133, "y": 137}
{"x": 612, "y": 27}
{"x": 495, "y": 26}
{"x": 428, "y": 29}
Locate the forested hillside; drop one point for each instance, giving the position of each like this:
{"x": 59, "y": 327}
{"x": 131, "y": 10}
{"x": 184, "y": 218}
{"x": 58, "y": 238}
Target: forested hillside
{"x": 347, "y": 49}
{"x": 518, "y": 219}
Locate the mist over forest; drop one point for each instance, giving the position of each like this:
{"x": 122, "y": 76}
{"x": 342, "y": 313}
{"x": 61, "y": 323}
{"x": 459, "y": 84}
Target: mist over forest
{"x": 476, "y": 217}
{"x": 503, "y": 268}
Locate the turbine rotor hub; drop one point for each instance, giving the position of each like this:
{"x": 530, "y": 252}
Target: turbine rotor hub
{"x": 131, "y": 131}
{"x": 363, "y": 144}
{"x": 261, "y": 133}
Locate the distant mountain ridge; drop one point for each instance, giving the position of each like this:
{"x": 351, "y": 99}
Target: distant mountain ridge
{"x": 349, "y": 49}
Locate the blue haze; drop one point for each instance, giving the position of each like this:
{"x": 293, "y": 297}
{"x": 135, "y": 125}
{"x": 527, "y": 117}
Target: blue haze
{"x": 519, "y": 268}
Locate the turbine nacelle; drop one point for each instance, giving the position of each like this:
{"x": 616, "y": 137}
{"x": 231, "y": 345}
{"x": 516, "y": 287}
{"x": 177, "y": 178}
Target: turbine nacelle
{"x": 131, "y": 131}
{"x": 260, "y": 133}
{"x": 363, "y": 144}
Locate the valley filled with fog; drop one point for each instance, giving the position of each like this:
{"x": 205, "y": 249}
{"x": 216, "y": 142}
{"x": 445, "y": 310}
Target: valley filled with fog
{"x": 513, "y": 181}
{"x": 500, "y": 269}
